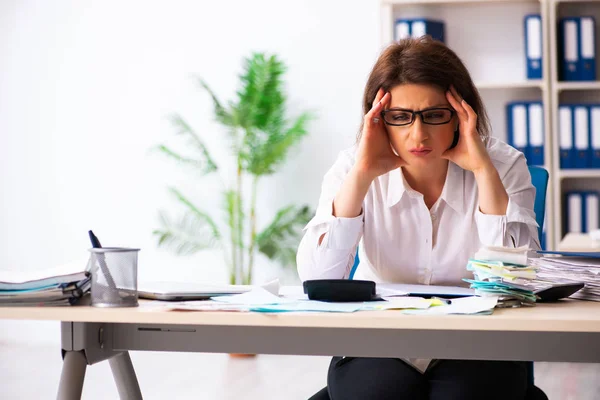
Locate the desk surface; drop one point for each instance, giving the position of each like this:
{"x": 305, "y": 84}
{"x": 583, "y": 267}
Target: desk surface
{"x": 564, "y": 316}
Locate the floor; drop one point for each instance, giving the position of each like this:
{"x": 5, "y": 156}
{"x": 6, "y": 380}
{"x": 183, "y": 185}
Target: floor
{"x": 219, "y": 376}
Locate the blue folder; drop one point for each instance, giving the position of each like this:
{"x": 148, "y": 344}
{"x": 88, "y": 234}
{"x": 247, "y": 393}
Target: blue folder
{"x": 594, "y": 125}
{"x": 535, "y": 133}
{"x": 587, "y": 47}
{"x": 566, "y": 135}
{"x": 581, "y": 136}
{"x": 525, "y": 129}
{"x": 575, "y": 212}
{"x": 590, "y": 254}
{"x": 577, "y": 49}
{"x": 533, "y": 45}
{"x": 416, "y": 27}
{"x": 569, "y": 49}
{"x": 517, "y": 126}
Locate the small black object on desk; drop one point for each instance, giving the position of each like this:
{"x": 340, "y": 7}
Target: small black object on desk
{"x": 340, "y": 290}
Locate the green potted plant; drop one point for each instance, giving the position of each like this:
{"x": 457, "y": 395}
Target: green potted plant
{"x": 261, "y": 136}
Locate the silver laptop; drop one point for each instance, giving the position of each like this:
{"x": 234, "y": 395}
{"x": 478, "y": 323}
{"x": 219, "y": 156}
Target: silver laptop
{"x": 180, "y": 291}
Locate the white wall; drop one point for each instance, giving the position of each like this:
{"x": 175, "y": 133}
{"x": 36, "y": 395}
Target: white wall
{"x": 85, "y": 88}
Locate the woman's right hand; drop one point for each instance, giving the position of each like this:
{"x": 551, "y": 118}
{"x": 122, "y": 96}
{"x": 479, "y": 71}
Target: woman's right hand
{"x": 375, "y": 156}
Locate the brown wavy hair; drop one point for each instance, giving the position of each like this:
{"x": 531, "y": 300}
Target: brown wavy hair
{"x": 424, "y": 61}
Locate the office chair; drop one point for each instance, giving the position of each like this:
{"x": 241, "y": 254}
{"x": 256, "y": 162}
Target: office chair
{"x": 539, "y": 179}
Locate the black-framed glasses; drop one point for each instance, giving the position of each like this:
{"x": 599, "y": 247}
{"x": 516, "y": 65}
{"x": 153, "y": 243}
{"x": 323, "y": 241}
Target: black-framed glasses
{"x": 431, "y": 116}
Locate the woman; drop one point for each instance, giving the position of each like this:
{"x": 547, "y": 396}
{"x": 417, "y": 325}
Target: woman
{"x": 424, "y": 188}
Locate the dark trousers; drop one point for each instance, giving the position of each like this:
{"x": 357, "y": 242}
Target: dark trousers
{"x": 391, "y": 378}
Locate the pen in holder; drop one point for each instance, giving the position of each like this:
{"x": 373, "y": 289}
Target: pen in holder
{"x": 114, "y": 277}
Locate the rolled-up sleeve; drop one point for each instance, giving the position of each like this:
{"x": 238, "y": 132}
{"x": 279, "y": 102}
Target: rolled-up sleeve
{"x": 518, "y": 226}
{"x": 334, "y": 257}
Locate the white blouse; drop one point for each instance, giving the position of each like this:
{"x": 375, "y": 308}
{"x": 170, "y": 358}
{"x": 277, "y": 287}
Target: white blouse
{"x": 401, "y": 240}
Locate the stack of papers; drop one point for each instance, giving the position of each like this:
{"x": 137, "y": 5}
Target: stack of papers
{"x": 500, "y": 272}
{"x": 54, "y": 287}
{"x": 566, "y": 267}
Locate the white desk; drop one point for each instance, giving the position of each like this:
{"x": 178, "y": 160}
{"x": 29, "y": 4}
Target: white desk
{"x": 566, "y": 331}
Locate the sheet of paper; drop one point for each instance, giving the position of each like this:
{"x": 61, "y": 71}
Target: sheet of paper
{"x": 384, "y": 291}
{"x": 272, "y": 287}
{"x": 400, "y": 303}
{"x": 463, "y": 305}
{"x": 257, "y": 296}
{"x": 193, "y": 305}
{"x": 309, "y": 306}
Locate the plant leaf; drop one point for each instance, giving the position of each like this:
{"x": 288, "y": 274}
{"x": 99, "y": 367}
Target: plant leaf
{"x": 260, "y": 98}
{"x": 279, "y": 241}
{"x": 186, "y": 236}
{"x": 222, "y": 115}
{"x": 184, "y": 129}
{"x": 267, "y": 155}
{"x": 200, "y": 215}
{"x": 198, "y": 165}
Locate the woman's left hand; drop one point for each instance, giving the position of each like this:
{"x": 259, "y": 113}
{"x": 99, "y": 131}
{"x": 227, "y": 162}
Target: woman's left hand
{"x": 470, "y": 152}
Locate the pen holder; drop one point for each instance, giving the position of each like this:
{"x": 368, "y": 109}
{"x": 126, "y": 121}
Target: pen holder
{"x": 114, "y": 277}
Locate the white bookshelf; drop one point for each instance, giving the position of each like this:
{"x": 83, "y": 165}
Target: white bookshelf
{"x": 534, "y": 83}
{"x": 579, "y": 173}
{"x": 564, "y": 86}
{"x": 488, "y": 35}
{"x": 568, "y": 92}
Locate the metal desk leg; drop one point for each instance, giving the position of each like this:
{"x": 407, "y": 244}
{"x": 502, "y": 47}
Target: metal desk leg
{"x": 72, "y": 376}
{"x": 124, "y": 374}
{"x": 87, "y": 343}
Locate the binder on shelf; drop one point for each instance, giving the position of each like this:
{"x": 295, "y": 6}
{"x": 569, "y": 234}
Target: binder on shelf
{"x": 516, "y": 123}
{"x": 565, "y": 132}
{"x": 587, "y": 57}
{"x": 417, "y": 27}
{"x": 535, "y": 119}
{"x": 581, "y": 136}
{"x": 533, "y": 45}
{"x": 577, "y": 48}
{"x": 595, "y": 135}
{"x": 583, "y": 211}
{"x": 569, "y": 46}
{"x": 590, "y": 211}
{"x": 574, "y": 212}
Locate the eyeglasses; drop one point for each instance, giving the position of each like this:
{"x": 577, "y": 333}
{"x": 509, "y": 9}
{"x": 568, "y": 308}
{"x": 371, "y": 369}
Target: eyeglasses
{"x": 431, "y": 116}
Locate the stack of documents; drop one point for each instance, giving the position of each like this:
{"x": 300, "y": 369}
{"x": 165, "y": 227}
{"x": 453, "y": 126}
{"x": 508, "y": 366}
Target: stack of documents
{"x": 55, "y": 287}
{"x": 566, "y": 267}
{"x": 500, "y": 271}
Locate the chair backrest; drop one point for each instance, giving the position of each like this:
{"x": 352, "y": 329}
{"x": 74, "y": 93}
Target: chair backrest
{"x": 539, "y": 179}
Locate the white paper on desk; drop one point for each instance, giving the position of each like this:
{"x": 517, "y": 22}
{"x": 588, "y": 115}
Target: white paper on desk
{"x": 272, "y": 287}
{"x": 293, "y": 306}
{"x": 192, "y": 305}
{"x": 257, "y": 296}
{"x": 388, "y": 292}
{"x": 309, "y": 306}
{"x": 462, "y": 305}
{"x": 398, "y": 303}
